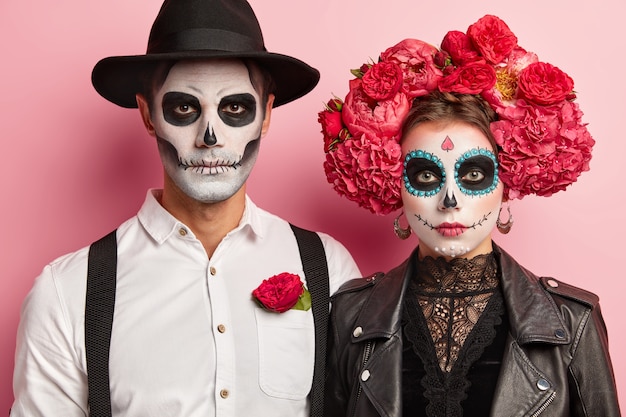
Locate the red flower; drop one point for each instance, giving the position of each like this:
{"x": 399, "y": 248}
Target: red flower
{"x": 382, "y": 81}
{"x": 367, "y": 170}
{"x": 472, "y": 78}
{"x": 544, "y": 148}
{"x": 362, "y": 114}
{"x": 280, "y": 292}
{"x": 492, "y": 38}
{"x": 545, "y": 84}
{"x": 460, "y": 48}
{"x": 415, "y": 57}
{"x": 332, "y": 125}
{"x": 544, "y": 144}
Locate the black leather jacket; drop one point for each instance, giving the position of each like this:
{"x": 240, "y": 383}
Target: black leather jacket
{"x": 555, "y": 363}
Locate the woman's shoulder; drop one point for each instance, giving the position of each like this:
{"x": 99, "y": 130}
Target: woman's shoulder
{"x": 571, "y": 292}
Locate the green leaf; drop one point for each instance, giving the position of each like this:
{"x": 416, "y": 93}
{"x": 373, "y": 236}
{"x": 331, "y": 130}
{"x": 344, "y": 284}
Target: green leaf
{"x": 304, "y": 302}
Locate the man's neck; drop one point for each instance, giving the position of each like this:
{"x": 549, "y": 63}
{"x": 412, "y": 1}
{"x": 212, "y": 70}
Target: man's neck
{"x": 210, "y": 222}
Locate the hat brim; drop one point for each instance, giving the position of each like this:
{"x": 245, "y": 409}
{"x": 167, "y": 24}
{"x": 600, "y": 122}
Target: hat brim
{"x": 119, "y": 78}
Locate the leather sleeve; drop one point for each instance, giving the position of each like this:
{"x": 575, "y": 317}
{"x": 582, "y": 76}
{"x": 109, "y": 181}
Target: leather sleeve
{"x": 592, "y": 382}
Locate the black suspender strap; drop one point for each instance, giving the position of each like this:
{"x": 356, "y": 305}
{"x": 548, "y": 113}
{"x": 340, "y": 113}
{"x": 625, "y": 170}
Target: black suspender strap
{"x": 315, "y": 268}
{"x": 99, "y": 305}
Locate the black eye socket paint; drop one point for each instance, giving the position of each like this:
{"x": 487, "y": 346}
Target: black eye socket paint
{"x": 180, "y": 109}
{"x": 476, "y": 173}
{"x": 424, "y": 174}
{"x": 238, "y": 110}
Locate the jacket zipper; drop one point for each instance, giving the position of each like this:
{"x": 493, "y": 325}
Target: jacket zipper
{"x": 369, "y": 346}
{"x": 545, "y": 405}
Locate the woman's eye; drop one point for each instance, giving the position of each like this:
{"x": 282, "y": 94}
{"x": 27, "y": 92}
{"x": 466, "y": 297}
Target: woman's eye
{"x": 474, "y": 176}
{"x": 426, "y": 178}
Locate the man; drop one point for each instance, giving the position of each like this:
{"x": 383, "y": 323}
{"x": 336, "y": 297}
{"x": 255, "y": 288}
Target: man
{"x": 188, "y": 337}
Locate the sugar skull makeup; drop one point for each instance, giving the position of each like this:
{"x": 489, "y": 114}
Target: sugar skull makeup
{"x": 208, "y": 120}
{"x": 451, "y": 194}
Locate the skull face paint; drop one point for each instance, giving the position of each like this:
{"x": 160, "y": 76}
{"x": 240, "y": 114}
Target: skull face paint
{"x": 451, "y": 194}
{"x": 208, "y": 119}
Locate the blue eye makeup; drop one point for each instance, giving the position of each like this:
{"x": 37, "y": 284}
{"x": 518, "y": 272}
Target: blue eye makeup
{"x": 475, "y": 173}
{"x": 424, "y": 174}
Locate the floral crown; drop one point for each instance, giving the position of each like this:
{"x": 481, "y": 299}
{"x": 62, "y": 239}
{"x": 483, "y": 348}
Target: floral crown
{"x": 543, "y": 143}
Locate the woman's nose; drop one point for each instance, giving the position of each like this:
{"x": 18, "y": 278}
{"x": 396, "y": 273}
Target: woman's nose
{"x": 449, "y": 200}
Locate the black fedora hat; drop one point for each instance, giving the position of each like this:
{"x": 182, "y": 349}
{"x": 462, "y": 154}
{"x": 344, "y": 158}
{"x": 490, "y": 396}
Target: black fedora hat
{"x": 193, "y": 29}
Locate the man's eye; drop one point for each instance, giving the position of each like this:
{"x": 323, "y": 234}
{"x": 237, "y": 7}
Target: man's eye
{"x": 180, "y": 109}
{"x": 185, "y": 109}
{"x": 237, "y": 110}
{"x": 234, "y": 109}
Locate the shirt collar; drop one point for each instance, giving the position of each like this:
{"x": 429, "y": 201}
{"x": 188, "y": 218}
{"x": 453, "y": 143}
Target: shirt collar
{"x": 160, "y": 224}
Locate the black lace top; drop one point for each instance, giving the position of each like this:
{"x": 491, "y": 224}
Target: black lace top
{"x": 454, "y": 336}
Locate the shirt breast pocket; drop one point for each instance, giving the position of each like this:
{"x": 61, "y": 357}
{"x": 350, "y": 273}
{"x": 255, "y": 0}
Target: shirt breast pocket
{"x": 286, "y": 353}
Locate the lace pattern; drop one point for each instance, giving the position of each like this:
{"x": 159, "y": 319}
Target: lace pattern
{"x": 453, "y": 295}
{"x": 459, "y": 305}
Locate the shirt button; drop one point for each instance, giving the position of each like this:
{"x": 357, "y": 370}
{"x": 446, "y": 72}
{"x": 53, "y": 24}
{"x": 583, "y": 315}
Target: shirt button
{"x": 559, "y": 333}
{"x": 357, "y": 332}
{"x": 224, "y": 393}
{"x": 543, "y": 385}
{"x": 365, "y": 375}
{"x": 221, "y": 328}
{"x": 212, "y": 270}
{"x": 553, "y": 283}
{"x": 182, "y": 231}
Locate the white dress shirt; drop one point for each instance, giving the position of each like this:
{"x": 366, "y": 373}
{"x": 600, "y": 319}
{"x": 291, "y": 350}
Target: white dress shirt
{"x": 188, "y": 339}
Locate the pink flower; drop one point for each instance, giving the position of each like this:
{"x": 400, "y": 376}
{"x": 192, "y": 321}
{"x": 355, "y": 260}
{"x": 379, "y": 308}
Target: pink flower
{"x": 519, "y": 59}
{"x": 382, "y": 80}
{"x": 544, "y": 149}
{"x": 362, "y": 114}
{"x": 472, "y": 78}
{"x": 545, "y": 84}
{"x": 367, "y": 170}
{"x": 415, "y": 57}
{"x": 492, "y": 38}
{"x": 280, "y": 292}
{"x": 460, "y": 48}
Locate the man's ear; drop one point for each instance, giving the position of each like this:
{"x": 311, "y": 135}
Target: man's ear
{"x": 268, "y": 114}
{"x": 144, "y": 109}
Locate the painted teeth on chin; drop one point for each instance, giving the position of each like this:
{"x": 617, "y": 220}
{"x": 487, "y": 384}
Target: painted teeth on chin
{"x": 200, "y": 166}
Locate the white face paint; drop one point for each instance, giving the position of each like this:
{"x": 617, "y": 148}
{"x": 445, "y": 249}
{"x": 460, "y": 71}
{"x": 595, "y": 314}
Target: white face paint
{"x": 451, "y": 192}
{"x": 208, "y": 118}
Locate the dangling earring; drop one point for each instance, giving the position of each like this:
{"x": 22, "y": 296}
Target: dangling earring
{"x": 400, "y": 232}
{"x": 505, "y": 228}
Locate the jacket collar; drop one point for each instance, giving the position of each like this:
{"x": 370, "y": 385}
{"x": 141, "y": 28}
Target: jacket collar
{"x": 533, "y": 315}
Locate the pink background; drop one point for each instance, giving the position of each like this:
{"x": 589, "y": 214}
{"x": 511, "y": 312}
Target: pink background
{"x": 74, "y": 166}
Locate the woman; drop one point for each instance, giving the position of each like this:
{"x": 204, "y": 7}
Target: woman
{"x": 460, "y": 328}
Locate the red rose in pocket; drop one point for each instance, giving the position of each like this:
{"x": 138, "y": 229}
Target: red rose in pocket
{"x": 280, "y": 292}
